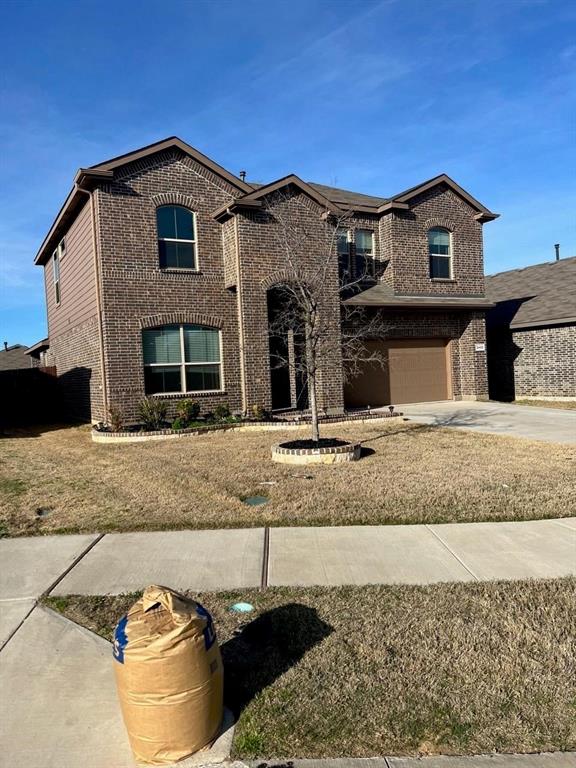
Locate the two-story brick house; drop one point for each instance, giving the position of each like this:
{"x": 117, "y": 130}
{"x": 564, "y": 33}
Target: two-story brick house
{"x": 160, "y": 271}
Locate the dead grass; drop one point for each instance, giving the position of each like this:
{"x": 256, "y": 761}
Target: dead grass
{"x": 364, "y": 671}
{"x": 569, "y": 404}
{"x": 59, "y": 481}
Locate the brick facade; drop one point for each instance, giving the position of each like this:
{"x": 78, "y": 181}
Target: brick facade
{"x": 239, "y": 260}
{"x": 535, "y": 362}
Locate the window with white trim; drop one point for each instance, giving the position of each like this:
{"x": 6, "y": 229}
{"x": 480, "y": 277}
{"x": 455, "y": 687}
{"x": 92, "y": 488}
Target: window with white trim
{"x": 182, "y": 358}
{"x": 440, "y": 253}
{"x": 343, "y": 249}
{"x": 176, "y": 237}
{"x": 56, "y": 274}
{"x": 365, "y": 251}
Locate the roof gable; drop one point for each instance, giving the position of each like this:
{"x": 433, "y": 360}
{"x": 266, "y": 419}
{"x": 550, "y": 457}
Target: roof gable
{"x": 483, "y": 214}
{"x": 173, "y": 142}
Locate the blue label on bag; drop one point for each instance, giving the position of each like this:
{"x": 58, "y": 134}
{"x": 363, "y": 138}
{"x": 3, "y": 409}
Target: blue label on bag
{"x": 209, "y": 633}
{"x": 120, "y": 639}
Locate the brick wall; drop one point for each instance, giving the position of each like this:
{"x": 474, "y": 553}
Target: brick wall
{"x": 463, "y": 330}
{"x": 263, "y": 265}
{"x": 76, "y": 356}
{"x": 136, "y": 293}
{"x": 538, "y": 362}
{"x": 438, "y": 207}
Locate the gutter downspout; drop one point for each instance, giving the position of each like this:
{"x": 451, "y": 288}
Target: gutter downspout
{"x": 241, "y": 339}
{"x": 98, "y": 300}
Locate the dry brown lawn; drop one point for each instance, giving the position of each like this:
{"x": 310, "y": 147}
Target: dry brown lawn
{"x": 365, "y": 671}
{"x": 570, "y": 404}
{"x": 58, "y": 480}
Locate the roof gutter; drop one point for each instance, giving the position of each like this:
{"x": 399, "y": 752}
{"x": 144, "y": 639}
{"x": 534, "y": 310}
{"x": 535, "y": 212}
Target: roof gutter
{"x": 84, "y": 179}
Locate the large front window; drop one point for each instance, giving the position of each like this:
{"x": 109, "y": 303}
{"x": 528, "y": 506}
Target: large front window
{"x": 440, "y": 253}
{"x": 182, "y": 358}
{"x": 176, "y": 237}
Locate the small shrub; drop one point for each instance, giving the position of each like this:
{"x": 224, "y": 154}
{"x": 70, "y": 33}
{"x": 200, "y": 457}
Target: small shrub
{"x": 187, "y": 411}
{"x": 179, "y": 423}
{"x": 152, "y": 413}
{"x": 115, "y": 419}
{"x": 259, "y": 413}
{"x": 222, "y": 412}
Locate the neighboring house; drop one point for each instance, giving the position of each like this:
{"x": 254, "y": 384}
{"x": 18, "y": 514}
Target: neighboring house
{"x": 14, "y": 358}
{"x": 532, "y": 331}
{"x": 160, "y": 271}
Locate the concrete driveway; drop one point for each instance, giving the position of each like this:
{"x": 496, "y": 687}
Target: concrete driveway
{"x": 549, "y": 424}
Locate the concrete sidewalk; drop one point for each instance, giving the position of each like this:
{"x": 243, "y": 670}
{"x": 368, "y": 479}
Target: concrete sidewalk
{"x": 58, "y": 707}
{"x": 253, "y": 557}
{"x": 547, "y": 424}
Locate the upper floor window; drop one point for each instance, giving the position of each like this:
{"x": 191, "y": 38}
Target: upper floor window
{"x": 440, "y": 253}
{"x": 365, "y": 243}
{"x": 343, "y": 249}
{"x": 181, "y": 358}
{"x": 176, "y": 237}
{"x": 56, "y": 274}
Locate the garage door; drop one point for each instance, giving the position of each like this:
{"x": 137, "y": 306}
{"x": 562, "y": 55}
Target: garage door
{"x": 416, "y": 371}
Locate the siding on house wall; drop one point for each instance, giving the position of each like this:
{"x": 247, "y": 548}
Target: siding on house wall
{"x": 77, "y": 281}
{"x": 136, "y": 293}
{"x": 73, "y": 323}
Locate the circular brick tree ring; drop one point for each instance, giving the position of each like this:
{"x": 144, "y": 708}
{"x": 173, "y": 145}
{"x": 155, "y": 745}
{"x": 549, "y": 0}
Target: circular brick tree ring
{"x": 327, "y": 451}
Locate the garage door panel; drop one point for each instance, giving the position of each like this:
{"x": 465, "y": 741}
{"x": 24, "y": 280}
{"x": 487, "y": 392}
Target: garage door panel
{"x": 416, "y": 371}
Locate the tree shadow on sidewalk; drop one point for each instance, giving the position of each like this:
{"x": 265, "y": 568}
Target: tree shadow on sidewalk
{"x": 266, "y": 648}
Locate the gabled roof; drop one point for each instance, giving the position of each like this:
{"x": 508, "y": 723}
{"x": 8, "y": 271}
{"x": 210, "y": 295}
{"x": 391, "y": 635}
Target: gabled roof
{"x": 86, "y": 178}
{"x": 544, "y": 294}
{"x": 483, "y": 213}
{"x": 346, "y": 200}
{"x": 255, "y": 197}
{"x": 170, "y": 143}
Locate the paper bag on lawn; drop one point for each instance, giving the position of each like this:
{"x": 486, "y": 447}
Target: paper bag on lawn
{"x": 169, "y": 676}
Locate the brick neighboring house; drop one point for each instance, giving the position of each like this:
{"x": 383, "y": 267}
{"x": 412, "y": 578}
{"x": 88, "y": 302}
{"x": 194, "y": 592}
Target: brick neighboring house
{"x": 160, "y": 271}
{"x": 532, "y": 331}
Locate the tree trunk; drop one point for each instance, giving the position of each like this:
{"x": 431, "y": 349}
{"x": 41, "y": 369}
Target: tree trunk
{"x": 313, "y": 407}
{"x": 311, "y": 366}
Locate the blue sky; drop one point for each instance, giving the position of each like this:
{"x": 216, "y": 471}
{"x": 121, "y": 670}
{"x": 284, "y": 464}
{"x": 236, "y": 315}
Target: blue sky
{"x": 371, "y": 96}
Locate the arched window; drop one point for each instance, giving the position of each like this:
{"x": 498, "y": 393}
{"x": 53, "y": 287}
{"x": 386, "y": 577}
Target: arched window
{"x": 182, "y": 358}
{"x": 440, "y": 252}
{"x": 176, "y": 237}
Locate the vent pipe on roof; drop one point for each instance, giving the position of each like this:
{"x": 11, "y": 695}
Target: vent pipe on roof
{"x": 557, "y": 249}
{"x": 6, "y": 346}
{"x": 242, "y": 175}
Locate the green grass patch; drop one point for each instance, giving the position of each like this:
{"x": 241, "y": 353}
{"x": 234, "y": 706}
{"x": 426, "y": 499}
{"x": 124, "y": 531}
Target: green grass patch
{"x": 365, "y": 671}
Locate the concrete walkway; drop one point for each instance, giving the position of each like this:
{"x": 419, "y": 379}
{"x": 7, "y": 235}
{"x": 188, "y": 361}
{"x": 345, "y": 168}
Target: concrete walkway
{"x": 58, "y": 707}
{"x": 548, "y": 424}
{"x": 254, "y": 557}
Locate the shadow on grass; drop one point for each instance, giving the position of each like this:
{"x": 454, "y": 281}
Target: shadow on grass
{"x": 266, "y": 648}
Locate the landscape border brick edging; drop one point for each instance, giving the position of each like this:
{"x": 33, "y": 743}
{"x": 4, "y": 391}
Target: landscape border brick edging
{"x": 99, "y": 436}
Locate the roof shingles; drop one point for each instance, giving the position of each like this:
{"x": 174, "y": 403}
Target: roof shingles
{"x": 537, "y": 295}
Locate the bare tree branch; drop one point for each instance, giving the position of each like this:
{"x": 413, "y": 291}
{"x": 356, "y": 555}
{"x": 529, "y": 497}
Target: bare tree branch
{"x": 315, "y": 282}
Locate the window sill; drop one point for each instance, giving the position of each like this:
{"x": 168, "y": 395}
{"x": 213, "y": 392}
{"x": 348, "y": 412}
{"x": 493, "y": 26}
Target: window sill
{"x": 183, "y": 395}
{"x": 180, "y": 271}
{"x": 443, "y": 280}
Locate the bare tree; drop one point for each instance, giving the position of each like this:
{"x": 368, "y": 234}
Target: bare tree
{"x": 313, "y": 285}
